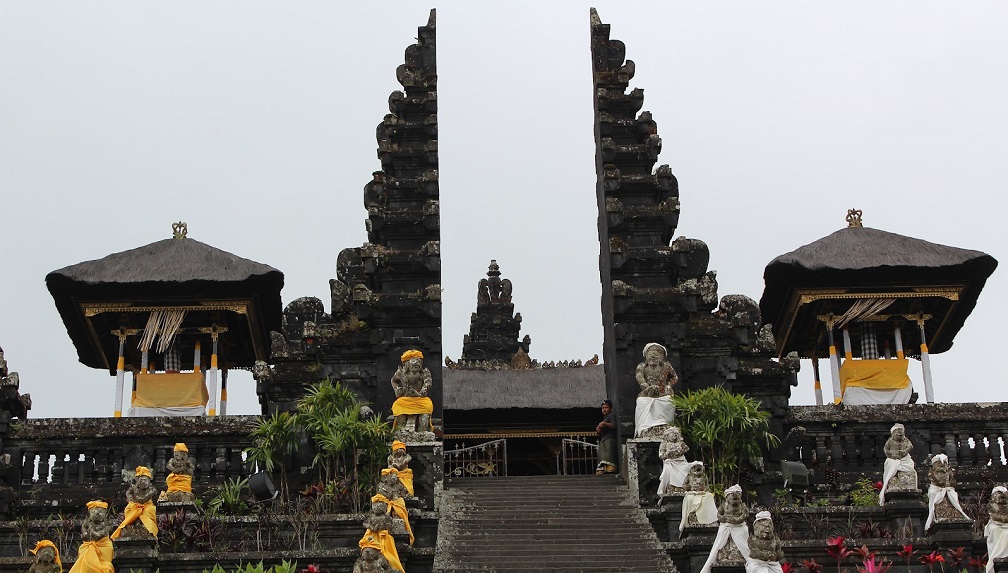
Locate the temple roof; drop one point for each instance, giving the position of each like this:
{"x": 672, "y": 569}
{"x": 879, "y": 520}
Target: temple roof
{"x": 861, "y": 261}
{"x": 178, "y": 271}
{"x": 546, "y": 388}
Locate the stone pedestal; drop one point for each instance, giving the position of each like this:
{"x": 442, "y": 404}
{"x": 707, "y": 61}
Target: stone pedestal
{"x": 642, "y": 469}
{"x": 901, "y": 506}
{"x": 135, "y": 554}
{"x": 428, "y": 472}
{"x": 698, "y": 539}
{"x": 952, "y": 533}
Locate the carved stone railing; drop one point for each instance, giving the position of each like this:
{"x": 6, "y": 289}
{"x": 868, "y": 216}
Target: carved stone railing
{"x": 60, "y": 463}
{"x": 848, "y": 441}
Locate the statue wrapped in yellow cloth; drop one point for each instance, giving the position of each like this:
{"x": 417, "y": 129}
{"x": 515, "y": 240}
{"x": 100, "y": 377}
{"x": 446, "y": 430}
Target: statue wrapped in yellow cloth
{"x": 47, "y": 558}
{"x": 398, "y": 463}
{"x": 95, "y": 552}
{"x": 140, "y": 496}
{"x": 372, "y": 558}
{"x": 377, "y": 535}
{"x": 179, "y": 481}
{"x": 412, "y": 408}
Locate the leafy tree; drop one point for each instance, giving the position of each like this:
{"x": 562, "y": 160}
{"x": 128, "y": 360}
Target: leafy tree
{"x": 725, "y": 430}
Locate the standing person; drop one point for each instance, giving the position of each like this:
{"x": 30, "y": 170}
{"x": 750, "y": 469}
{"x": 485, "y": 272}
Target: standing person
{"x": 606, "y": 431}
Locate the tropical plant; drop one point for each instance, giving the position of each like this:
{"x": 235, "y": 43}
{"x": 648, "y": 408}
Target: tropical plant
{"x": 931, "y": 558}
{"x": 863, "y": 493}
{"x": 870, "y": 565}
{"x": 811, "y": 566}
{"x": 725, "y": 430}
{"x": 274, "y": 438}
{"x": 228, "y": 498}
{"x": 837, "y": 549}
{"x": 907, "y": 554}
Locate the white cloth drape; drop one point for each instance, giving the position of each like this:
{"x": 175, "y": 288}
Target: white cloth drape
{"x": 857, "y": 396}
{"x": 935, "y": 495}
{"x": 997, "y": 542}
{"x": 760, "y": 566}
{"x": 738, "y": 533}
{"x": 673, "y": 472}
{"x": 701, "y": 503}
{"x": 651, "y": 412}
{"x": 144, "y": 412}
{"x": 889, "y": 471}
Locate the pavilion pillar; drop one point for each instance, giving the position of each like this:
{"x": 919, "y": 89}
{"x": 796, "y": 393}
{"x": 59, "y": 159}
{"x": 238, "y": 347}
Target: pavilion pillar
{"x": 818, "y": 385}
{"x": 120, "y": 373}
{"x": 925, "y": 362}
{"x": 223, "y": 392}
{"x": 898, "y": 334}
{"x": 212, "y": 378}
{"x": 834, "y": 360}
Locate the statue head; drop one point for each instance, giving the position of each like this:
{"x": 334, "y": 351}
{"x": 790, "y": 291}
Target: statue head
{"x": 654, "y": 354}
{"x": 672, "y": 434}
{"x": 897, "y": 431}
{"x": 940, "y": 462}
{"x": 412, "y": 359}
{"x": 97, "y": 510}
{"x": 143, "y": 477}
{"x": 180, "y": 453}
{"x": 733, "y": 495}
{"x": 763, "y": 526}
{"x": 999, "y": 495}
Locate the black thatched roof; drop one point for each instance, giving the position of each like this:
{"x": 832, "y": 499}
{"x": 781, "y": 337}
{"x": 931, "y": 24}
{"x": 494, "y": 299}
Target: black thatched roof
{"x": 172, "y": 271}
{"x": 546, "y": 388}
{"x": 865, "y": 259}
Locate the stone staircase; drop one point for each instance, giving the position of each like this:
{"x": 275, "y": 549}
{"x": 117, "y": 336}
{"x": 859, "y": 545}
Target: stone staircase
{"x": 562, "y": 524}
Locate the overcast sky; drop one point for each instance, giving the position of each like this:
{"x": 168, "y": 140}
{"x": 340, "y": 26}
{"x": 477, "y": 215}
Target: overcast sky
{"x": 254, "y": 123}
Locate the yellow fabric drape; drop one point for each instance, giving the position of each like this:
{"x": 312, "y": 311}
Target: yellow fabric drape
{"x": 875, "y": 374}
{"x": 144, "y": 512}
{"x": 48, "y": 543}
{"x": 405, "y": 477}
{"x": 412, "y": 405}
{"x": 176, "y": 389}
{"x": 94, "y": 557}
{"x": 383, "y": 542}
{"x": 397, "y": 505}
{"x": 179, "y": 482}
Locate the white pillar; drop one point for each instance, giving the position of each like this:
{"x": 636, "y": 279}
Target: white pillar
{"x": 899, "y": 342}
{"x": 834, "y": 362}
{"x": 847, "y": 351}
{"x": 926, "y": 365}
{"x": 212, "y": 380}
{"x": 120, "y": 377}
{"x": 223, "y": 393}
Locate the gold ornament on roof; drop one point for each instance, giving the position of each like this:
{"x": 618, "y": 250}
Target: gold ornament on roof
{"x": 854, "y": 218}
{"x": 179, "y": 230}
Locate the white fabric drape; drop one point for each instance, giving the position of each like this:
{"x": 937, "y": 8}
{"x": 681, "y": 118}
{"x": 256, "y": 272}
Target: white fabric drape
{"x": 889, "y": 471}
{"x": 760, "y": 566}
{"x": 701, "y": 503}
{"x": 856, "y": 395}
{"x": 997, "y": 542}
{"x": 738, "y": 533}
{"x": 935, "y": 495}
{"x": 651, "y": 412}
{"x": 673, "y": 472}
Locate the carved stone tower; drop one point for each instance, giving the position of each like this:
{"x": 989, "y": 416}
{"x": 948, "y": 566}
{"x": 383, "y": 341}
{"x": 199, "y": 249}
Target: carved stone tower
{"x": 494, "y": 328}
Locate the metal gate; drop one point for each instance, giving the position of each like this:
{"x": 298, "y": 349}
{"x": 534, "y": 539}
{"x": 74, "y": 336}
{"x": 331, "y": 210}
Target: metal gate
{"x": 577, "y": 457}
{"x": 488, "y": 459}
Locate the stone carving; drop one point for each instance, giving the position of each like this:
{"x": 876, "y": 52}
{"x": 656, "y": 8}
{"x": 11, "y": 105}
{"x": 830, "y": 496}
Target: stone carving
{"x": 765, "y": 550}
{"x": 732, "y": 516}
{"x": 412, "y": 408}
{"x": 96, "y": 551}
{"x": 139, "y": 517}
{"x": 943, "y": 500}
{"x": 675, "y": 468}
{"x": 996, "y": 530}
{"x": 698, "y": 506}
{"x": 47, "y": 558}
{"x": 656, "y": 377}
{"x": 371, "y": 560}
{"x": 398, "y": 465}
{"x": 3, "y": 363}
{"x": 898, "y": 473}
{"x": 378, "y": 537}
{"x": 179, "y": 481}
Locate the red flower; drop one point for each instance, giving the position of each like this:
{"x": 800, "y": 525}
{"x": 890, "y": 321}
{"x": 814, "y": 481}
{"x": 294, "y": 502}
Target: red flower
{"x": 907, "y": 553}
{"x": 931, "y": 558}
{"x": 979, "y": 563}
{"x": 872, "y": 566}
{"x": 836, "y": 549}
{"x": 811, "y": 566}
{"x": 957, "y": 556}
{"x": 878, "y": 486}
{"x": 788, "y": 567}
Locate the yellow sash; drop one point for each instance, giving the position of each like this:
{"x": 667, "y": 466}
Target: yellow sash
{"x": 875, "y": 374}
{"x": 412, "y": 405}
{"x": 48, "y": 543}
{"x": 398, "y": 505}
{"x": 383, "y": 542}
{"x": 144, "y": 512}
{"x": 179, "y": 482}
{"x": 94, "y": 557}
{"x": 405, "y": 477}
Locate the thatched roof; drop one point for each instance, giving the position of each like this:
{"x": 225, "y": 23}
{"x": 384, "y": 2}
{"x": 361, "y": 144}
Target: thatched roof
{"x": 870, "y": 260}
{"x": 546, "y": 388}
{"x": 172, "y": 271}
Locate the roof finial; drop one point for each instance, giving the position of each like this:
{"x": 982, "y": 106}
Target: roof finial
{"x": 179, "y": 230}
{"x": 854, "y": 218}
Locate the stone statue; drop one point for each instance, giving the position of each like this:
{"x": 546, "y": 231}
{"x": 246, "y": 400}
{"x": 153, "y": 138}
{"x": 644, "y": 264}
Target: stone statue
{"x": 943, "y": 500}
{"x": 390, "y": 486}
{"x": 996, "y": 530}
{"x": 139, "y": 517}
{"x": 371, "y": 560}
{"x": 765, "y": 550}
{"x": 412, "y": 408}
{"x": 96, "y": 552}
{"x": 732, "y": 516}
{"x": 3, "y": 364}
{"x": 47, "y": 558}
{"x": 378, "y": 537}
{"x": 698, "y": 504}
{"x": 656, "y": 377}
{"x": 398, "y": 465}
{"x": 898, "y": 473}
{"x": 675, "y": 468}
{"x": 379, "y": 518}
{"x": 179, "y": 481}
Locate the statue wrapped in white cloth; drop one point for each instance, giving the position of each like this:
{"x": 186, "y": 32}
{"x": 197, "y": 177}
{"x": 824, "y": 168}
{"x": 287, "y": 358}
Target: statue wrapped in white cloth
{"x": 656, "y": 377}
{"x": 898, "y": 473}
{"x": 996, "y": 530}
{"x": 698, "y": 506}
{"x": 731, "y": 545}
{"x": 675, "y": 468}
{"x": 765, "y": 550}
{"x": 943, "y": 501}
